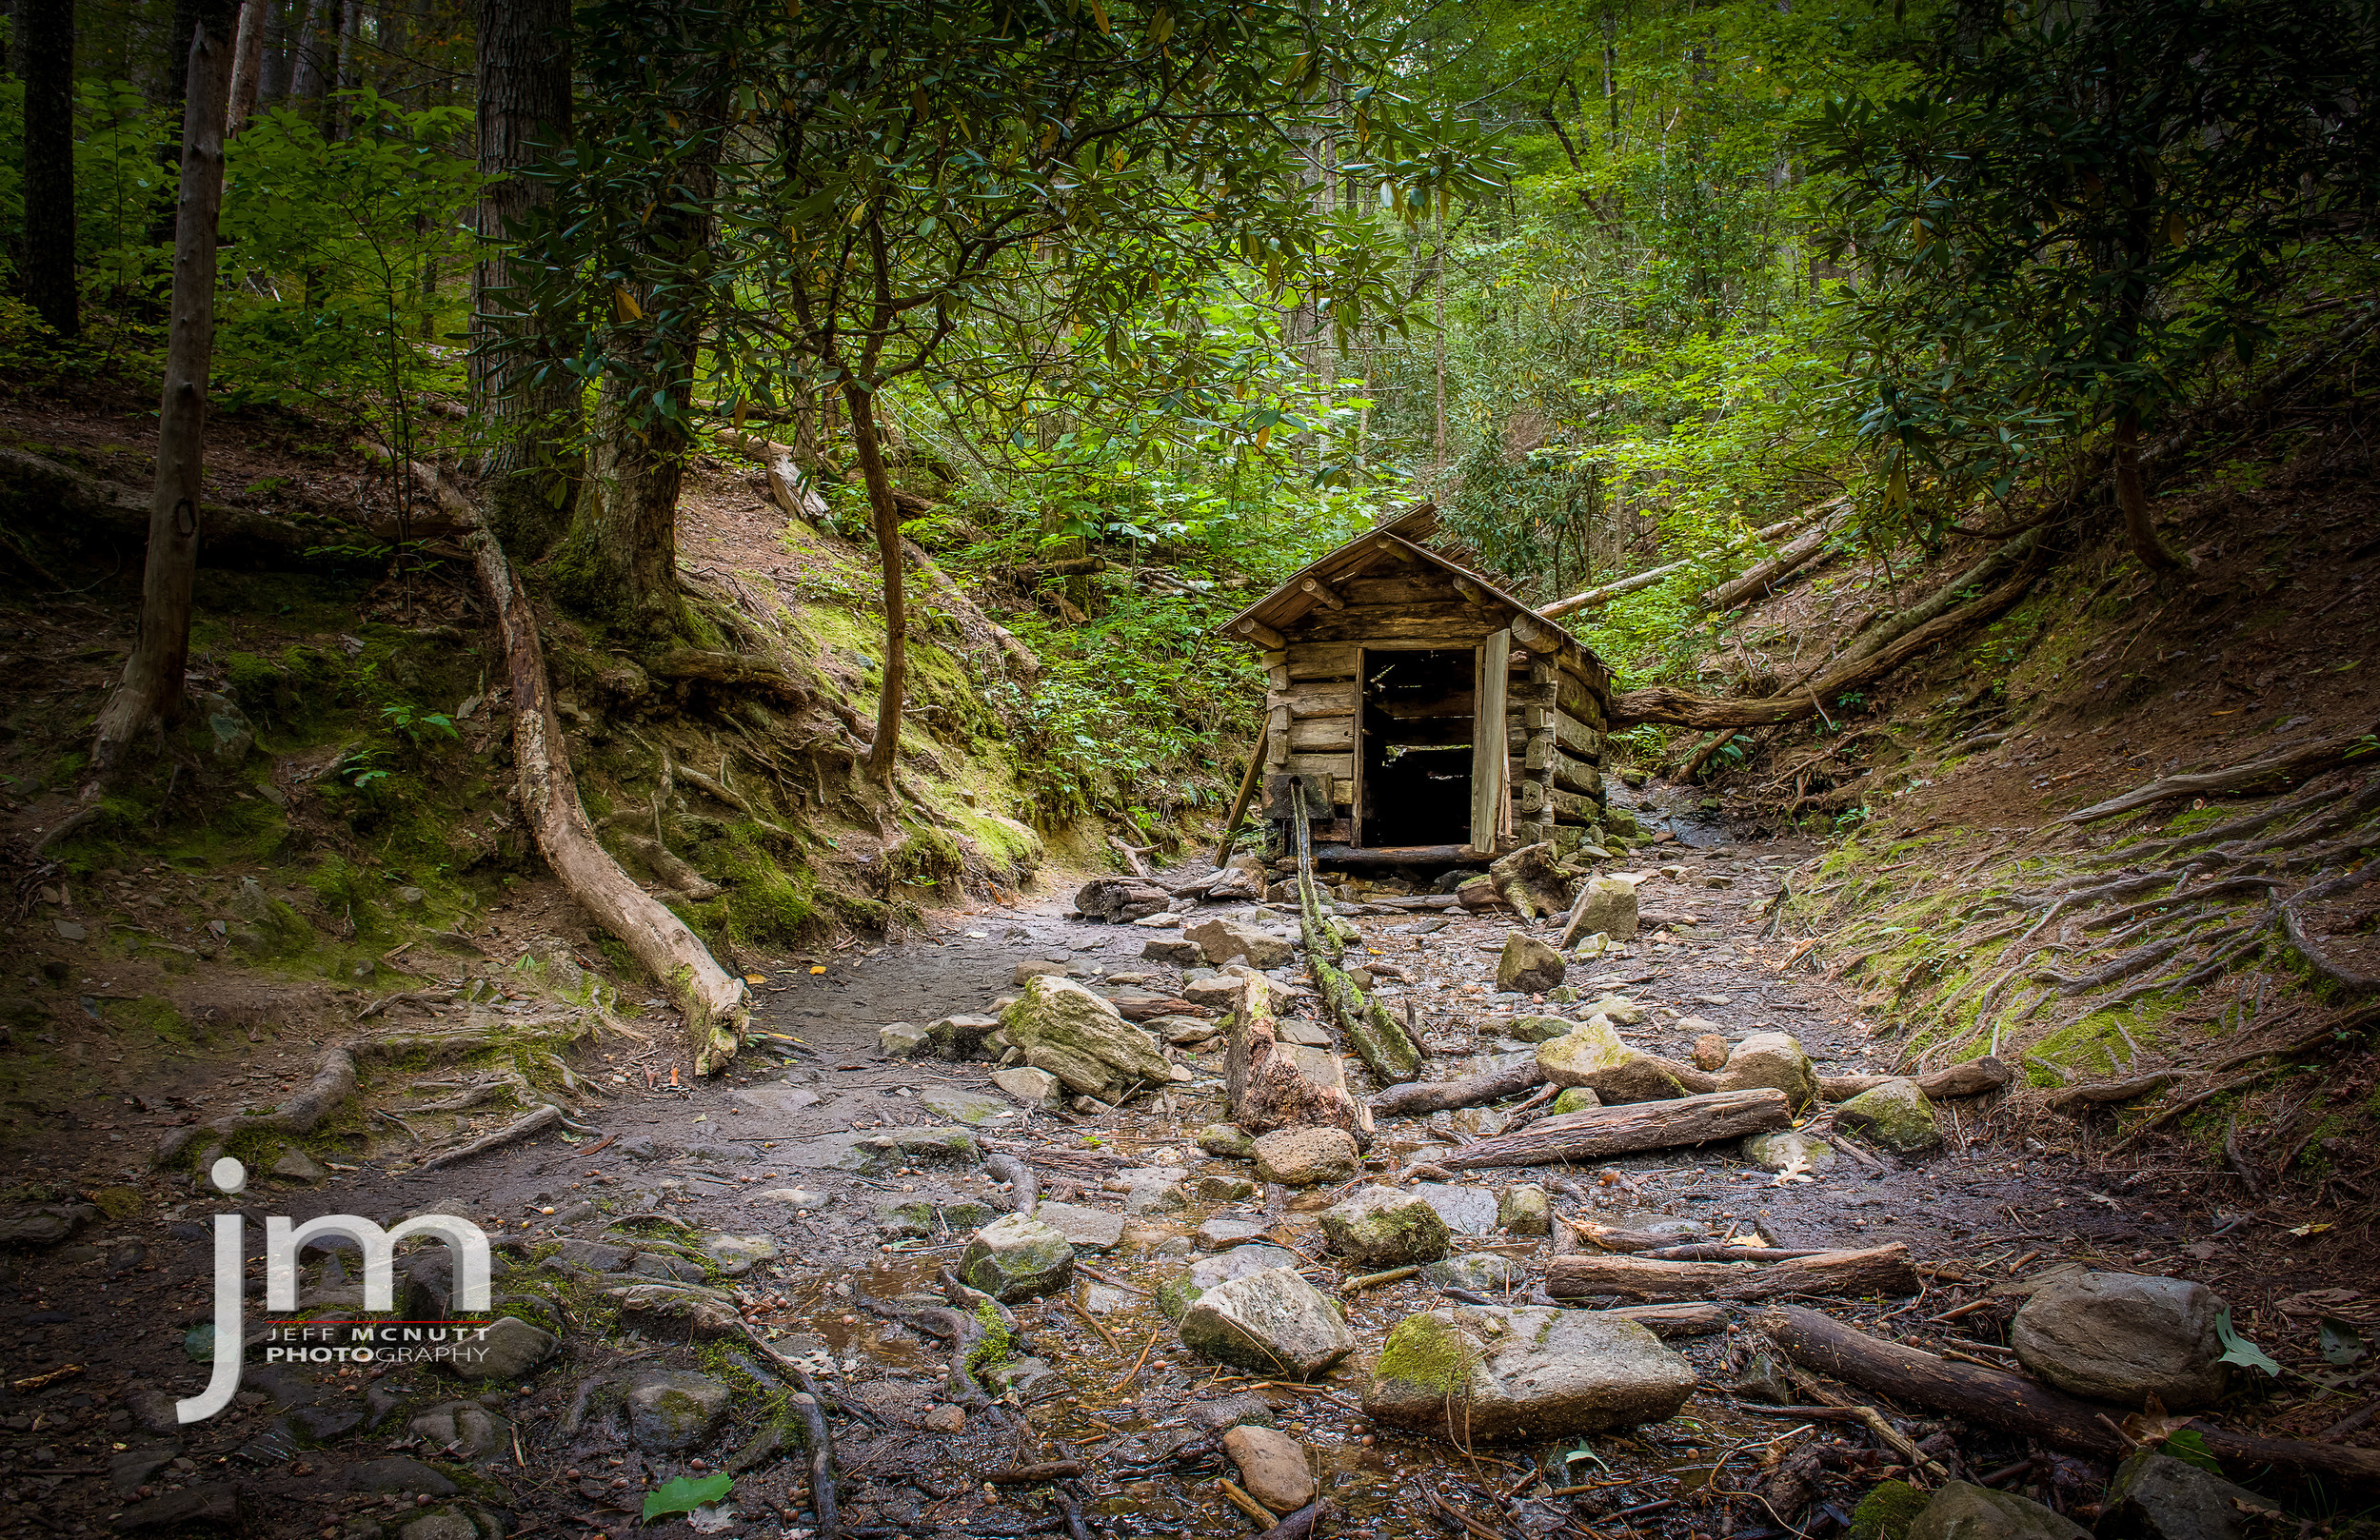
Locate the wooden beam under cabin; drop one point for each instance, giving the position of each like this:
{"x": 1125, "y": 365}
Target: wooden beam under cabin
{"x": 1256, "y": 630}
{"x": 1322, "y": 592}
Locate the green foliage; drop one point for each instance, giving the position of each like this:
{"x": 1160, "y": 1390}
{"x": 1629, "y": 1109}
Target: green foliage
{"x": 684, "y": 1494}
{"x": 2238, "y": 1349}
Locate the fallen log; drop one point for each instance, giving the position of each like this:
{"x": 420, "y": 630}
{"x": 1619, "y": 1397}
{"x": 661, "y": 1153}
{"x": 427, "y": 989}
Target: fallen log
{"x": 2288, "y": 765}
{"x": 1607, "y": 592}
{"x": 1714, "y": 1251}
{"x": 1790, "y": 559}
{"x": 2015, "y": 1403}
{"x": 1697, "y": 1318}
{"x": 1879, "y": 1270}
{"x": 1439, "y": 1095}
{"x": 1626, "y": 1128}
{"x": 1267, "y": 1080}
{"x": 1617, "y": 1238}
{"x": 2078, "y": 1101}
{"x": 1976, "y": 1077}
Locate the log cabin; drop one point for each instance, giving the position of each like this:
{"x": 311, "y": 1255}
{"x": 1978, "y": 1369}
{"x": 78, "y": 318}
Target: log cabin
{"x": 1427, "y": 716}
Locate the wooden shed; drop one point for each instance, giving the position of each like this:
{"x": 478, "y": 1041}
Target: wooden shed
{"x": 1425, "y": 715}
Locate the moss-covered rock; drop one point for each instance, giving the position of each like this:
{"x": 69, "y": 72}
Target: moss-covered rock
{"x": 1080, "y": 1039}
{"x": 1886, "y": 1511}
{"x": 1593, "y": 1056}
{"x": 1526, "y": 1371}
{"x": 1386, "y": 1227}
{"x": 1017, "y": 1258}
{"x": 1895, "y": 1115}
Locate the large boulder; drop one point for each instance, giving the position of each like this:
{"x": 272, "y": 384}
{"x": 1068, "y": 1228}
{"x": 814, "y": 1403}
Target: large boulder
{"x": 1963, "y": 1511}
{"x": 1593, "y": 1056}
{"x": 1018, "y": 1258}
{"x": 1528, "y": 965}
{"x": 1386, "y": 1227}
{"x": 1177, "y": 1293}
{"x": 2124, "y": 1337}
{"x": 1305, "y": 1157}
{"x": 1606, "y": 905}
{"x": 1497, "y": 1371}
{"x": 1270, "y": 1322}
{"x": 1080, "y": 1039}
{"x": 2157, "y": 1497}
{"x": 1772, "y": 1059}
{"x": 1223, "y": 941}
{"x": 1895, "y": 1115}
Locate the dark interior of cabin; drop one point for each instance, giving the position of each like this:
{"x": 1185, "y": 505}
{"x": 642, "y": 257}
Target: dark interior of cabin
{"x": 1416, "y": 743}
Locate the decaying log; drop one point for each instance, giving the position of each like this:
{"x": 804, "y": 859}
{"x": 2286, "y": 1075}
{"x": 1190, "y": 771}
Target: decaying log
{"x": 1266, "y": 1083}
{"x": 1699, "y": 1318}
{"x": 2082, "y": 1099}
{"x": 1607, "y": 592}
{"x": 537, "y": 1121}
{"x": 1118, "y": 900}
{"x": 1624, "y": 1129}
{"x": 1790, "y": 559}
{"x": 1532, "y": 880}
{"x": 2015, "y": 1403}
{"x": 1976, "y": 1077}
{"x": 1879, "y": 1270}
{"x": 1438, "y": 1096}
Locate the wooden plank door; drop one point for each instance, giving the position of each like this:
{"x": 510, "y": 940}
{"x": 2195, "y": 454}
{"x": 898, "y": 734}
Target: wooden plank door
{"x": 1488, "y": 791}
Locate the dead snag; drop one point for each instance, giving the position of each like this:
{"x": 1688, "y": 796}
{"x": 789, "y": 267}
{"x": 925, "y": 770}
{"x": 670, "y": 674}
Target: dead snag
{"x": 1272, "y": 1084}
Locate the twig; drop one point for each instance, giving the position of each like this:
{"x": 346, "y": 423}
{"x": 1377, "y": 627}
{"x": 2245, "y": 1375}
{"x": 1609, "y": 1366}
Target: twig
{"x": 1241, "y": 1500}
{"x": 1133, "y": 1372}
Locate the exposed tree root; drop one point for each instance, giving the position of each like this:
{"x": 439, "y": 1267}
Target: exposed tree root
{"x": 2290, "y": 764}
{"x": 543, "y": 1118}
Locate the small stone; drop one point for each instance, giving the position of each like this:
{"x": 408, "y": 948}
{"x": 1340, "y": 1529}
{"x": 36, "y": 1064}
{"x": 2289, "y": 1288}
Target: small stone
{"x": 944, "y": 1419}
{"x": 965, "y": 1107}
{"x": 1170, "y": 950}
{"x": 2124, "y": 1337}
{"x": 1226, "y": 1141}
{"x": 796, "y": 1198}
{"x": 126, "y": 1471}
{"x": 1018, "y": 1258}
{"x": 1274, "y": 1468}
{"x": 1220, "y": 1235}
{"x": 1177, "y": 1293}
{"x": 218, "y": 1503}
{"x": 2157, "y": 1497}
{"x": 1528, "y": 965}
{"x": 1573, "y": 1098}
{"x": 673, "y": 1409}
{"x": 1618, "y": 1009}
{"x": 1217, "y": 994}
{"x": 734, "y": 1255}
{"x": 591, "y": 1255}
{"x": 1385, "y": 1226}
{"x": 295, "y": 1165}
{"x": 512, "y": 1348}
{"x": 467, "y": 1427}
{"x": 1786, "y": 1149}
{"x": 1710, "y": 1049}
{"x": 960, "y": 1037}
{"x": 1524, "y": 1209}
{"x": 1305, "y": 1157}
{"x": 1895, "y": 1115}
{"x": 1468, "y": 1211}
{"x": 901, "y": 1039}
{"x": 443, "y": 1525}
{"x": 1220, "y": 940}
{"x": 1963, "y": 1511}
{"x": 1482, "y": 1272}
{"x": 1606, "y": 904}
{"x": 1028, "y": 971}
{"x": 1271, "y": 1322}
{"x": 1035, "y": 1088}
{"x": 1538, "y": 1029}
{"x": 1219, "y": 1189}
{"x": 1774, "y": 1060}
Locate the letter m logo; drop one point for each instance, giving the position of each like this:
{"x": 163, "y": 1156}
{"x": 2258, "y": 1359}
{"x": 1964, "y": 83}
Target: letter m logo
{"x": 466, "y": 1242}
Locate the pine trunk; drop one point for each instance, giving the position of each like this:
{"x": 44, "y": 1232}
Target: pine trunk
{"x": 524, "y": 101}
{"x": 47, "y": 47}
{"x": 247, "y": 53}
{"x": 885, "y": 750}
{"x": 306, "y": 52}
{"x": 151, "y": 694}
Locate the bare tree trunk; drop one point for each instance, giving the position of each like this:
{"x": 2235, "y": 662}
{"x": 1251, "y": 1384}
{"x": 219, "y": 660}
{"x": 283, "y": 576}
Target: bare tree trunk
{"x": 306, "y": 52}
{"x": 47, "y": 48}
{"x": 524, "y": 102}
{"x": 1438, "y": 371}
{"x": 882, "y": 755}
{"x": 2140, "y": 525}
{"x": 151, "y": 694}
{"x": 247, "y": 53}
{"x": 274, "y": 84}
{"x": 620, "y": 557}
{"x": 338, "y": 114}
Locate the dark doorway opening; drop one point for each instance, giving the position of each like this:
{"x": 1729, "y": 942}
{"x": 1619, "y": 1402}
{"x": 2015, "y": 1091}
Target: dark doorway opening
{"x": 1416, "y": 720}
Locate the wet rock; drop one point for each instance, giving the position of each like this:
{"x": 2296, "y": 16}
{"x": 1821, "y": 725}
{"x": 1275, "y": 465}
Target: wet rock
{"x": 672, "y": 1408}
{"x": 295, "y": 1165}
{"x": 1468, "y": 1211}
{"x": 44, "y": 1224}
{"x": 1504, "y": 1371}
{"x": 663, "y": 1265}
{"x": 1018, "y": 1258}
{"x": 1273, "y": 1468}
{"x": 1177, "y": 1293}
{"x": 1157, "y": 1197}
{"x": 965, "y": 1107}
{"x": 901, "y": 1039}
{"x": 1482, "y": 1270}
{"x": 1173, "y": 952}
{"x": 1035, "y": 1088}
{"x": 1886, "y": 1511}
{"x": 1305, "y": 1157}
{"x": 1772, "y": 1059}
{"x": 1711, "y": 1050}
{"x": 1537, "y": 1029}
{"x": 1081, "y": 1039}
{"x": 1524, "y": 1209}
{"x": 2123, "y": 1337}
{"x": 466, "y": 1429}
{"x": 1594, "y": 1056}
{"x": 216, "y": 1503}
{"x": 944, "y": 1419}
{"x": 1221, "y": 940}
{"x": 1963, "y": 1511}
{"x": 1788, "y": 1149}
{"x": 704, "y": 1314}
{"x": 1216, "y": 1188}
{"x": 961, "y": 1036}
{"x": 126, "y": 1471}
{"x": 1573, "y": 1098}
{"x": 1093, "y": 1229}
{"x": 1895, "y": 1115}
{"x": 1271, "y": 1322}
{"x": 1021, "y": 1377}
{"x": 399, "y": 1472}
{"x": 1388, "y": 1227}
{"x": 511, "y": 1349}
{"x": 1241, "y": 1409}
{"x": 2157, "y": 1497}
{"x": 1606, "y": 904}
{"x": 734, "y": 1255}
{"x": 1528, "y": 966}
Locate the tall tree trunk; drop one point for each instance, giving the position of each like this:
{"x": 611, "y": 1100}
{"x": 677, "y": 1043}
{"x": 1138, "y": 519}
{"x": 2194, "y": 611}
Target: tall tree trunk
{"x": 248, "y": 53}
{"x": 394, "y": 38}
{"x": 306, "y": 52}
{"x": 2140, "y": 526}
{"x": 273, "y": 79}
{"x": 883, "y": 753}
{"x": 619, "y": 561}
{"x": 524, "y": 102}
{"x": 47, "y": 47}
{"x": 337, "y": 112}
{"x": 1437, "y": 360}
{"x": 151, "y": 694}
